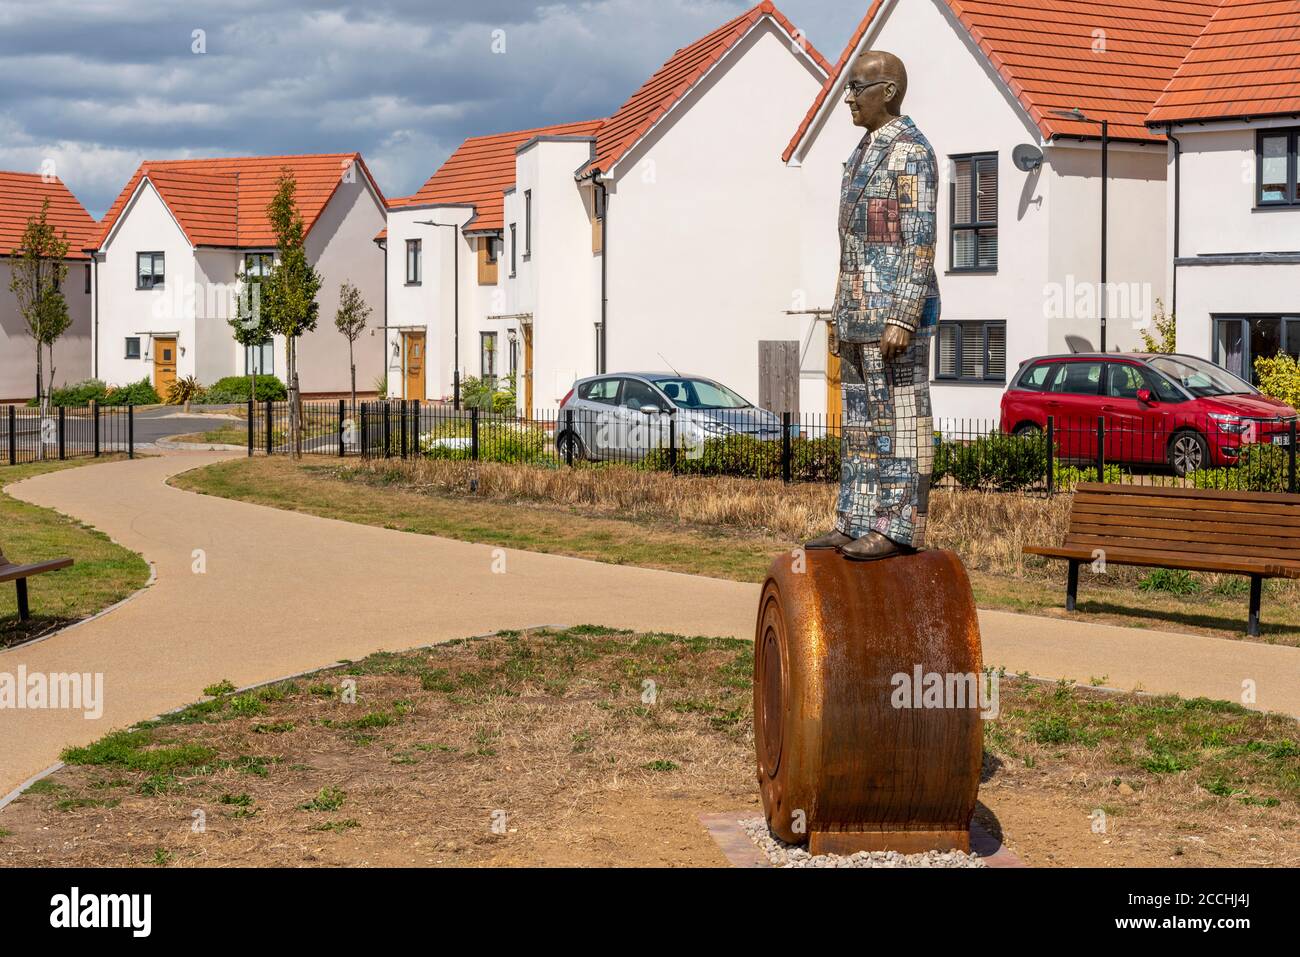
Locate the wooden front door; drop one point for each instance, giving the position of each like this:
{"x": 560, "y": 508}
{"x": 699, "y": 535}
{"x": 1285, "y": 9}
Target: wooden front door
{"x": 527, "y": 330}
{"x": 164, "y": 365}
{"x": 413, "y": 363}
{"x": 834, "y": 396}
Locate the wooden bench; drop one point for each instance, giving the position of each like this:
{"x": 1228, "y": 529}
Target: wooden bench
{"x": 9, "y": 572}
{"x": 1199, "y": 530}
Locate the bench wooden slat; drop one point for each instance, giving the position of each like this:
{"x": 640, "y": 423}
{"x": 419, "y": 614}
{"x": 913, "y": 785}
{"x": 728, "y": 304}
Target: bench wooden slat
{"x": 1220, "y": 496}
{"x": 1190, "y": 534}
{"x": 9, "y": 571}
{"x": 1176, "y": 549}
{"x": 1232, "y": 506}
{"x": 1155, "y": 559}
{"x": 1182, "y": 512}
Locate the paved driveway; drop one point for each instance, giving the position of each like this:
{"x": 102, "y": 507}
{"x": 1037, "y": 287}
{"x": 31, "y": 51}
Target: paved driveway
{"x": 282, "y": 592}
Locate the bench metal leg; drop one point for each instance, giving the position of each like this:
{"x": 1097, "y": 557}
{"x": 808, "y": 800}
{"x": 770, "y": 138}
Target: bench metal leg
{"x": 24, "y": 612}
{"x": 1256, "y": 589}
{"x": 1072, "y": 585}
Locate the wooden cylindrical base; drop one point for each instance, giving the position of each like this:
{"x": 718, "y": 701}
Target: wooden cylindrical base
{"x": 867, "y": 696}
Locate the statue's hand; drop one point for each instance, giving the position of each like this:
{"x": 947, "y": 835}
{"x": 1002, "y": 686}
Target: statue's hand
{"x": 894, "y": 342}
{"x": 832, "y": 339}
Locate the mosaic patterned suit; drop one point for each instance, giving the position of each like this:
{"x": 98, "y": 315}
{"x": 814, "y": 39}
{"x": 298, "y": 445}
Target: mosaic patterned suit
{"x": 887, "y": 277}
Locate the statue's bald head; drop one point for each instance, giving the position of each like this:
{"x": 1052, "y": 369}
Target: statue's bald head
{"x": 880, "y": 82}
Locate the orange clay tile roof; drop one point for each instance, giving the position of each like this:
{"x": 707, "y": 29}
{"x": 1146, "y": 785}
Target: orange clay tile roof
{"x": 1245, "y": 63}
{"x": 480, "y": 172}
{"x": 675, "y": 78}
{"x": 1050, "y": 54}
{"x": 222, "y": 202}
{"x": 21, "y": 197}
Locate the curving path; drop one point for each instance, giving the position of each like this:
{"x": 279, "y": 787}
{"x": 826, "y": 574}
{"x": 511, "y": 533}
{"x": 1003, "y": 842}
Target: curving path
{"x": 284, "y": 593}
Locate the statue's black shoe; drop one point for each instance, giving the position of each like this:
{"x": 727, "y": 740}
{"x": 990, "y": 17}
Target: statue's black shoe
{"x": 872, "y": 547}
{"x": 833, "y": 539}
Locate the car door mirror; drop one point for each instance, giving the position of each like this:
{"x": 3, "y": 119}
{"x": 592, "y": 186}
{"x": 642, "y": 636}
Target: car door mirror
{"x": 1144, "y": 395}
{"x": 651, "y": 409}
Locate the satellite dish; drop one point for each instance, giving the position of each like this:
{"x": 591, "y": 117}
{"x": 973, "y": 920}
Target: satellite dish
{"x": 1027, "y": 157}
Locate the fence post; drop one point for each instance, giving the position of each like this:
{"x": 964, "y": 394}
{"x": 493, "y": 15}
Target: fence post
{"x": 473, "y": 433}
{"x": 13, "y": 426}
{"x": 1101, "y": 448}
{"x": 130, "y": 430}
{"x": 270, "y": 416}
{"x": 572, "y": 437}
{"x": 786, "y": 465}
{"x": 672, "y": 442}
{"x": 406, "y": 411}
{"x": 1051, "y": 454}
{"x": 388, "y": 430}
{"x": 94, "y": 424}
{"x": 342, "y": 406}
{"x": 250, "y": 428}
{"x": 365, "y": 434}
{"x": 1290, "y": 453}
{"x": 63, "y": 432}
{"x": 415, "y": 427}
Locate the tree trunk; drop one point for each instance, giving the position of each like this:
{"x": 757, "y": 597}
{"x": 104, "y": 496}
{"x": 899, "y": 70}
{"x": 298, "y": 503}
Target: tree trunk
{"x": 42, "y": 405}
{"x": 352, "y": 364}
{"x": 295, "y": 402}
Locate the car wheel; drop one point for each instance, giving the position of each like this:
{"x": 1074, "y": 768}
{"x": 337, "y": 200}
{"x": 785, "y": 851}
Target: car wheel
{"x": 567, "y": 440}
{"x": 1188, "y": 452}
{"x": 1028, "y": 430}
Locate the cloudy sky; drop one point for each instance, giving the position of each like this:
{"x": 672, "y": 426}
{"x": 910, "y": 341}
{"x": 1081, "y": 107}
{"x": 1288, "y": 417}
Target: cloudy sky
{"x": 97, "y": 86}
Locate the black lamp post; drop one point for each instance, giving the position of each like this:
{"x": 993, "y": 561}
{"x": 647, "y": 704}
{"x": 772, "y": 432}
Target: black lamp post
{"x": 455, "y": 259}
{"x": 1079, "y": 116}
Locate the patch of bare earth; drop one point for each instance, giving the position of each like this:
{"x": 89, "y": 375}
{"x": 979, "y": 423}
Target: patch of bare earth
{"x": 589, "y": 747}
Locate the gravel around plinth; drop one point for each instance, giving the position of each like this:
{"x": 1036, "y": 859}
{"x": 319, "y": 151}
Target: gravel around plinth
{"x": 782, "y": 854}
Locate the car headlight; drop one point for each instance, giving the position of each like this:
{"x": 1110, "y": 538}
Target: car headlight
{"x": 1232, "y": 424}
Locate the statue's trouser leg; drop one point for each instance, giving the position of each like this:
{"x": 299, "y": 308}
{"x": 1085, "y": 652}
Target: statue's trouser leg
{"x": 887, "y": 442}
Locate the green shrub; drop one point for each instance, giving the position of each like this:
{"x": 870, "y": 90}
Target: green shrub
{"x": 78, "y": 395}
{"x": 1066, "y": 477}
{"x": 1259, "y": 468}
{"x": 499, "y": 440}
{"x": 1005, "y": 462}
{"x": 234, "y": 389}
{"x": 184, "y": 391}
{"x": 1279, "y": 376}
{"x": 137, "y": 393}
{"x": 743, "y": 456}
{"x": 1175, "y": 581}
{"x": 476, "y": 393}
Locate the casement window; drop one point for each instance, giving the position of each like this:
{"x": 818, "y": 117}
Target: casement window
{"x": 528, "y": 223}
{"x": 87, "y": 279}
{"x": 1240, "y": 340}
{"x": 1277, "y": 168}
{"x": 258, "y": 265}
{"x": 514, "y": 247}
{"x": 971, "y": 351}
{"x": 150, "y": 270}
{"x": 413, "y": 262}
{"x": 133, "y": 347}
{"x": 259, "y": 360}
{"x": 487, "y": 362}
{"x": 974, "y": 201}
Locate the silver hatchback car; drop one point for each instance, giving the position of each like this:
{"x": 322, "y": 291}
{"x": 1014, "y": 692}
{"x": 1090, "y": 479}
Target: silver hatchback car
{"x": 623, "y": 416}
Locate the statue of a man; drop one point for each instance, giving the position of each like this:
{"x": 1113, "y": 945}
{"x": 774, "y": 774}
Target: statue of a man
{"x": 886, "y": 311}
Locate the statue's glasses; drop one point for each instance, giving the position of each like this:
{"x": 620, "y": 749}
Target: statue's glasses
{"x": 855, "y": 90}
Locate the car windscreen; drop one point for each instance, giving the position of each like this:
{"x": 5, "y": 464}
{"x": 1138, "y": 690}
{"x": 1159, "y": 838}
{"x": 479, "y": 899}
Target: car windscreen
{"x": 700, "y": 394}
{"x": 1199, "y": 377}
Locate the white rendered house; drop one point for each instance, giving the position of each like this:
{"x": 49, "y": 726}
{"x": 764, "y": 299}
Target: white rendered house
{"x": 1232, "y": 116}
{"x": 1019, "y": 246}
{"x": 170, "y": 248}
{"x": 21, "y": 198}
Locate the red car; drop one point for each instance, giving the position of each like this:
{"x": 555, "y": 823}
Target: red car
{"x": 1157, "y": 409}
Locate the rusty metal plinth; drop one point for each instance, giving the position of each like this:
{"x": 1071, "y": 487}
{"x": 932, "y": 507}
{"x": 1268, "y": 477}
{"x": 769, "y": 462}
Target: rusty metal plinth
{"x": 851, "y": 757}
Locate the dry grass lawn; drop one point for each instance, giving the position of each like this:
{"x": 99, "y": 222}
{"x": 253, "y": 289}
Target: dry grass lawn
{"x": 595, "y": 747}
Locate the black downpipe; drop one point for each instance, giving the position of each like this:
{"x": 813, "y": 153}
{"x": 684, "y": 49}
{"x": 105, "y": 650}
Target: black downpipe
{"x": 604, "y": 280}
{"x": 94, "y": 289}
{"x": 1178, "y": 214}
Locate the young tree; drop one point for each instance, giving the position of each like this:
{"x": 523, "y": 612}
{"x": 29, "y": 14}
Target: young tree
{"x": 36, "y": 280}
{"x": 1166, "y": 329}
{"x": 247, "y": 323}
{"x": 289, "y": 306}
{"x": 350, "y": 320}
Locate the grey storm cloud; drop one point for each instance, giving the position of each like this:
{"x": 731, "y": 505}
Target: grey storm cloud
{"x": 96, "y": 86}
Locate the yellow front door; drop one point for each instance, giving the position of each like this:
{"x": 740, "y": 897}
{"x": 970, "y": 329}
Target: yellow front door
{"x": 527, "y": 330}
{"x": 164, "y": 365}
{"x": 834, "y": 395}
{"x": 413, "y": 355}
